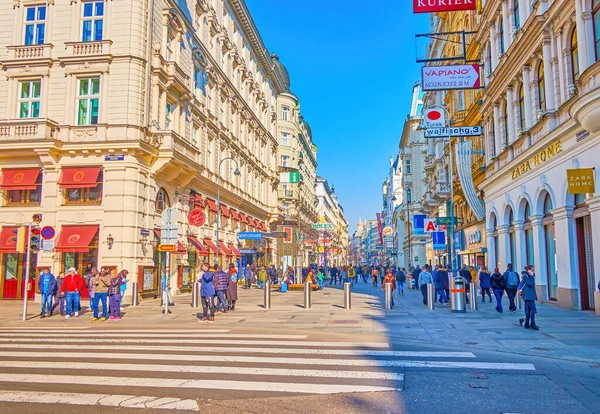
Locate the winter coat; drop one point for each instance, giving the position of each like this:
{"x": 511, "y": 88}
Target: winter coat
{"x": 497, "y": 281}
{"x": 58, "y": 292}
{"x": 72, "y": 283}
{"x": 262, "y": 276}
{"x": 528, "y": 286}
{"x": 441, "y": 279}
{"x": 207, "y": 287}
{"x": 484, "y": 280}
{"x": 115, "y": 286}
{"x": 221, "y": 280}
{"x": 51, "y": 287}
{"x": 466, "y": 275}
{"x": 425, "y": 278}
{"x": 232, "y": 287}
{"x": 89, "y": 282}
{"x": 102, "y": 283}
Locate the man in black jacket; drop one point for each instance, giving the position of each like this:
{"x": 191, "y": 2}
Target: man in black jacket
{"x": 415, "y": 274}
{"x": 464, "y": 272}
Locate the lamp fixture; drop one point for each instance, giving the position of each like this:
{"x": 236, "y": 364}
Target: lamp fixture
{"x": 110, "y": 241}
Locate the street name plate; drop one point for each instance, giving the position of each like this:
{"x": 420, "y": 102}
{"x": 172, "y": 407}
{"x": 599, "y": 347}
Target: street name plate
{"x": 463, "y": 131}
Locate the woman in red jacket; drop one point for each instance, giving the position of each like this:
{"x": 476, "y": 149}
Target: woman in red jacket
{"x": 72, "y": 286}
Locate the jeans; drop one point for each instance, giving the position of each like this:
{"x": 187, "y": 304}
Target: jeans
{"x": 441, "y": 293}
{"x": 92, "y": 296}
{"x": 260, "y": 284}
{"x": 321, "y": 285}
{"x": 483, "y": 292}
{"x": 115, "y": 305}
{"x": 401, "y": 286}
{"x": 73, "y": 302}
{"x": 511, "y": 293}
{"x": 207, "y": 303}
{"x": 220, "y": 299}
{"x": 530, "y": 311}
{"x": 424, "y": 293}
{"x": 46, "y": 303}
{"x": 59, "y": 300}
{"x": 498, "y": 294}
{"x": 333, "y": 280}
{"x": 100, "y": 297}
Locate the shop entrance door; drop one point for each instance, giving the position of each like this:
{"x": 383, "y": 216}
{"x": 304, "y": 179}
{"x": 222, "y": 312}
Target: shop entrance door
{"x": 10, "y": 275}
{"x": 586, "y": 262}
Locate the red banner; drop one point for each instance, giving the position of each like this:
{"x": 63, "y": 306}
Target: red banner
{"x": 428, "y": 6}
{"x": 380, "y": 228}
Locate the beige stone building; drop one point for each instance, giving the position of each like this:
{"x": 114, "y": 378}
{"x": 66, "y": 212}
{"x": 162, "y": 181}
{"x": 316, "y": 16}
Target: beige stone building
{"x": 112, "y": 112}
{"x": 333, "y": 242}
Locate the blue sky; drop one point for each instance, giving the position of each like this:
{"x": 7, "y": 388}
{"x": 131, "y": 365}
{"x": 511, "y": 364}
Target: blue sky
{"x": 352, "y": 64}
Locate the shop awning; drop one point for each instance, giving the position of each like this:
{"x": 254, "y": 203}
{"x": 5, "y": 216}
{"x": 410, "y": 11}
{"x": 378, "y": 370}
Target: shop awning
{"x": 202, "y": 251}
{"x": 234, "y": 250}
{"x": 75, "y": 239}
{"x": 234, "y": 214}
{"x": 212, "y": 205}
{"x": 19, "y": 179}
{"x": 7, "y": 244}
{"x": 199, "y": 201}
{"x": 224, "y": 211}
{"x": 223, "y": 250}
{"x": 251, "y": 222}
{"x": 180, "y": 248}
{"x": 211, "y": 245}
{"x": 263, "y": 225}
{"x": 244, "y": 218}
{"x": 79, "y": 177}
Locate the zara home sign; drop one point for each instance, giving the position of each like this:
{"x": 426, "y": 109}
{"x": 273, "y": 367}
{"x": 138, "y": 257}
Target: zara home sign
{"x": 538, "y": 158}
{"x": 428, "y": 6}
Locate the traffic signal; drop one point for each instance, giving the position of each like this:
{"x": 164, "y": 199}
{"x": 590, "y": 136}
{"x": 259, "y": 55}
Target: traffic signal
{"x": 34, "y": 239}
{"x": 20, "y": 238}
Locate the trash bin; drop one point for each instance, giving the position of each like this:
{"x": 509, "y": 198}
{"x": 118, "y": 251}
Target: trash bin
{"x": 459, "y": 295}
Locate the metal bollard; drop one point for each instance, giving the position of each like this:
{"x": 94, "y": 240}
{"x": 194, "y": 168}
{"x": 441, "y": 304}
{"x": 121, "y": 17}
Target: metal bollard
{"x": 451, "y": 295}
{"x": 519, "y": 300}
{"x": 458, "y": 294}
{"x": 347, "y": 295}
{"x": 388, "y": 296}
{"x": 473, "y": 303}
{"x": 430, "y": 296}
{"x": 195, "y": 291}
{"x": 134, "y": 294}
{"x": 267, "y": 300}
{"x": 307, "y": 304}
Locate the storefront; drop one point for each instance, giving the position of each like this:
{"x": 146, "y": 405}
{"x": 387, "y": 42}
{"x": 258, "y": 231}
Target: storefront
{"x": 12, "y": 267}
{"x": 473, "y": 247}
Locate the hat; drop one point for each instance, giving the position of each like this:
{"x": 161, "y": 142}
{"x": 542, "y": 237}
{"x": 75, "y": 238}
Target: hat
{"x": 72, "y": 269}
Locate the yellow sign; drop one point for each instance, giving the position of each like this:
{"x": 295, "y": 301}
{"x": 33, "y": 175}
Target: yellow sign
{"x": 581, "y": 181}
{"x": 21, "y": 239}
{"x": 167, "y": 247}
{"x": 537, "y": 159}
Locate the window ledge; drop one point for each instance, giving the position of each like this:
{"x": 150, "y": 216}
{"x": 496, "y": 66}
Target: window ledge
{"x": 82, "y": 203}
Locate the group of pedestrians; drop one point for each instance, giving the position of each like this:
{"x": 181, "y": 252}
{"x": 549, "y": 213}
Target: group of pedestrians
{"x": 218, "y": 290}
{"x": 64, "y": 292}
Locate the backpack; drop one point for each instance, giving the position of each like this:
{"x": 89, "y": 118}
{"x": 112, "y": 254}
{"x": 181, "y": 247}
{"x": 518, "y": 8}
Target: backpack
{"x": 513, "y": 280}
{"x": 401, "y": 277}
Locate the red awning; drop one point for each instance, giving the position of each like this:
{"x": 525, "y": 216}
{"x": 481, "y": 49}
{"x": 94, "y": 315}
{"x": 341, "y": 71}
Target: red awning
{"x": 264, "y": 226}
{"x": 7, "y": 244}
{"x": 157, "y": 233}
{"x": 251, "y": 221}
{"x": 234, "y": 214}
{"x": 79, "y": 177}
{"x": 223, "y": 250}
{"x": 75, "y": 239}
{"x": 199, "y": 201}
{"x": 211, "y": 245}
{"x": 224, "y": 211}
{"x": 202, "y": 251}
{"x": 19, "y": 179}
{"x": 212, "y": 205}
{"x": 180, "y": 248}
{"x": 234, "y": 250}
{"x": 244, "y": 218}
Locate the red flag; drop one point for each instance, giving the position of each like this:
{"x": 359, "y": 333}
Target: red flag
{"x": 380, "y": 228}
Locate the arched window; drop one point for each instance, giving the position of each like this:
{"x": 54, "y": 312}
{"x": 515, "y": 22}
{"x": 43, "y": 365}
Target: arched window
{"x": 574, "y": 56}
{"x": 516, "y": 17}
{"x": 496, "y": 243}
{"x": 501, "y": 36}
{"x": 550, "y": 242}
{"x": 162, "y": 201}
{"x": 522, "y": 107}
{"x": 596, "y": 18}
{"x": 505, "y": 121}
{"x": 512, "y": 254}
{"x": 541, "y": 86}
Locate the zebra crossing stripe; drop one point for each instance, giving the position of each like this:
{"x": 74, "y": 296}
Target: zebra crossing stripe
{"x": 149, "y": 335}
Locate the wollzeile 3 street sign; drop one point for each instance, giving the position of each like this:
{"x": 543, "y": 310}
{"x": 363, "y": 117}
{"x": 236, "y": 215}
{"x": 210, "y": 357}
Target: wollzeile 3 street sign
{"x": 429, "y": 6}
{"x": 440, "y": 78}
{"x": 465, "y": 131}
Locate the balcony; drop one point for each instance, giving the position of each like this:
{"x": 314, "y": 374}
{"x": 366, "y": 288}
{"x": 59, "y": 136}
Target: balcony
{"x": 459, "y": 117}
{"x": 101, "y": 47}
{"x": 30, "y": 52}
{"x": 441, "y": 192}
{"x": 172, "y": 141}
{"x": 28, "y": 129}
{"x": 177, "y": 77}
{"x": 429, "y": 161}
{"x": 586, "y": 109}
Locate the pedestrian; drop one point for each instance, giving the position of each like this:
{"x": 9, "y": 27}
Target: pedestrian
{"x": 512, "y": 281}
{"x": 165, "y": 285}
{"x": 401, "y": 280}
{"x": 89, "y": 282}
{"x": 321, "y": 279}
{"x": 47, "y": 287}
{"x": 72, "y": 286}
{"x": 473, "y": 272}
{"x": 123, "y": 273}
{"x": 290, "y": 276}
{"x": 272, "y": 274}
{"x": 466, "y": 274}
{"x": 497, "y": 285}
{"x": 59, "y": 295}
{"x": 207, "y": 291}
{"x": 247, "y": 276}
{"x": 309, "y": 276}
{"x": 262, "y": 277}
{"x": 221, "y": 281}
{"x": 365, "y": 273}
{"x": 375, "y": 276}
{"x": 389, "y": 278}
{"x": 333, "y": 272}
{"x": 415, "y": 275}
{"x": 425, "y": 278}
{"x": 441, "y": 280}
{"x": 344, "y": 275}
{"x": 484, "y": 283}
{"x": 101, "y": 285}
{"x": 351, "y": 274}
{"x": 114, "y": 295}
{"x": 529, "y": 296}
{"x": 279, "y": 275}
{"x": 232, "y": 291}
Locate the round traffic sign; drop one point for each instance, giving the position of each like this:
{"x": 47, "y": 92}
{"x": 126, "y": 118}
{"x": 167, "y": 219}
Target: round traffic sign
{"x": 47, "y": 232}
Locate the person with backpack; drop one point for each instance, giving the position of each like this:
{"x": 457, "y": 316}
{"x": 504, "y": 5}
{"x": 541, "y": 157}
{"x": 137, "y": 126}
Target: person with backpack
{"x": 351, "y": 274}
{"x": 375, "y": 276}
{"x": 512, "y": 281}
{"x": 415, "y": 275}
{"x": 529, "y": 297}
{"x": 401, "y": 279}
{"x": 497, "y": 284}
{"x": 484, "y": 283}
{"x": 425, "y": 278}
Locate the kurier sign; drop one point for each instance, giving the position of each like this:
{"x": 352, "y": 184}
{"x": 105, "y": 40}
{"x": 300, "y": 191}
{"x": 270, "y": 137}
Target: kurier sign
{"x": 428, "y": 6}
{"x": 439, "y": 78}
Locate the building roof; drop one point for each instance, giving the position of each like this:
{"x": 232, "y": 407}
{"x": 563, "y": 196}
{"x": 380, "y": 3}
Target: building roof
{"x": 282, "y": 71}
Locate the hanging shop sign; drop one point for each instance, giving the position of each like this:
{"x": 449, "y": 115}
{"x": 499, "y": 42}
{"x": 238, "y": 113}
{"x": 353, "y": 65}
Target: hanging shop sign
{"x": 539, "y": 158}
{"x": 433, "y": 118}
{"x": 439, "y": 78}
{"x": 380, "y": 228}
{"x": 439, "y": 240}
{"x": 196, "y": 217}
{"x": 581, "y": 181}
{"x": 430, "y": 226}
{"x": 466, "y": 131}
{"x": 430, "y": 6}
{"x": 419, "y": 224}
{"x": 387, "y": 231}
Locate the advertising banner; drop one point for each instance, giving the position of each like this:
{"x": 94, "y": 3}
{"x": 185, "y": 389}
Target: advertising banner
{"x": 430, "y": 226}
{"x": 430, "y": 6}
{"x": 380, "y": 228}
{"x": 419, "y": 224}
{"x": 434, "y": 118}
{"x": 440, "y": 78}
{"x": 439, "y": 240}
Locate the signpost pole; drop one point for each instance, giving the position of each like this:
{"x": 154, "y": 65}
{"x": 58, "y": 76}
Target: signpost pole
{"x": 26, "y": 279}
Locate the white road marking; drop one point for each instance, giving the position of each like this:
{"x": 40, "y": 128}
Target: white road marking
{"x": 256, "y": 350}
{"x": 98, "y": 354}
{"x": 105, "y": 400}
{"x": 99, "y": 381}
{"x": 103, "y": 341}
{"x": 190, "y": 335}
{"x": 210, "y": 369}
{"x": 93, "y": 331}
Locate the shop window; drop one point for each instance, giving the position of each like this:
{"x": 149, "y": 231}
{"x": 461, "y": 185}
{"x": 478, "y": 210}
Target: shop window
{"x": 527, "y": 226}
{"x": 162, "y": 201}
{"x": 574, "y": 56}
{"x": 550, "y": 242}
{"x": 35, "y": 25}
{"x": 92, "y": 21}
{"x": 91, "y": 195}
{"x": 512, "y": 239}
{"x": 29, "y": 99}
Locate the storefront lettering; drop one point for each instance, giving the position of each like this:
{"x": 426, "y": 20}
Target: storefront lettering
{"x": 539, "y": 158}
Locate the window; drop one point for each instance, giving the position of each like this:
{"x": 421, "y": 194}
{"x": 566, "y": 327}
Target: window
{"x": 574, "y": 56}
{"x": 529, "y": 245}
{"x": 285, "y": 113}
{"x": 505, "y": 121}
{"x": 35, "y": 25}
{"x": 169, "y": 109}
{"x": 521, "y": 108}
{"x": 501, "y": 36}
{"x": 200, "y": 81}
{"x": 162, "y": 201}
{"x": 512, "y": 239}
{"x": 29, "y": 99}
{"x": 541, "y": 87}
{"x": 87, "y": 101}
{"x": 596, "y": 19}
{"x": 92, "y": 21}
{"x": 170, "y": 55}
{"x": 287, "y": 190}
{"x": 516, "y": 17}
{"x": 285, "y": 160}
{"x": 285, "y": 139}
{"x": 22, "y": 196}
{"x": 195, "y": 135}
{"x": 407, "y": 167}
{"x": 85, "y": 195}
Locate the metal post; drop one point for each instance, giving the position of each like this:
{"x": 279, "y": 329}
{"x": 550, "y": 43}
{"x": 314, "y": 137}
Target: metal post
{"x": 307, "y": 303}
{"x": 267, "y": 299}
{"x": 134, "y": 293}
{"x": 195, "y": 288}
{"x": 167, "y": 276}
{"x": 474, "y": 304}
{"x": 452, "y": 246}
{"x": 26, "y": 280}
{"x": 430, "y": 296}
{"x": 347, "y": 295}
{"x": 388, "y": 296}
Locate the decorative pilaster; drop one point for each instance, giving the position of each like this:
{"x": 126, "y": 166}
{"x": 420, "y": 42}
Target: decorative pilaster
{"x": 503, "y": 247}
{"x": 539, "y": 256}
{"x": 567, "y": 267}
{"x": 510, "y": 136}
{"x": 548, "y": 75}
{"x": 527, "y": 96}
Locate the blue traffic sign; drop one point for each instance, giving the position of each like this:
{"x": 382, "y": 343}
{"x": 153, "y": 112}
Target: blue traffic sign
{"x": 250, "y": 235}
{"x": 48, "y": 232}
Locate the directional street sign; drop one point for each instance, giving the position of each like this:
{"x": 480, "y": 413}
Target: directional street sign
{"x": 444, "y": 220}
{"x": 276, "y": 234}
{"x": 322, "y": 226}
{"x": 167, "y": 247}
{"x": 439, "y": 78}
{"x": 466, "y": 131}
{"x": 250, "y": 235}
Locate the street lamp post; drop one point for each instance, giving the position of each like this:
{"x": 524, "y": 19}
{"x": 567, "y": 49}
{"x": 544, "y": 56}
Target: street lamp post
{"x": 236, "y": 172}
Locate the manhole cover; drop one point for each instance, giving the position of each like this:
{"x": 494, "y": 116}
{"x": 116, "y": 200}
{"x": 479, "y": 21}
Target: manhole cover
{"x": 345, "y": 322}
